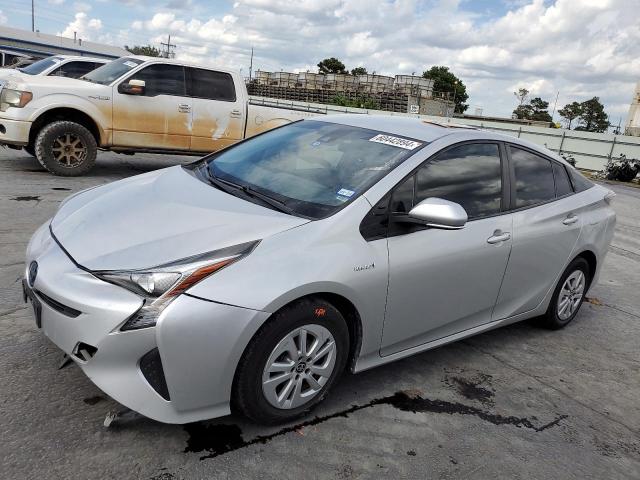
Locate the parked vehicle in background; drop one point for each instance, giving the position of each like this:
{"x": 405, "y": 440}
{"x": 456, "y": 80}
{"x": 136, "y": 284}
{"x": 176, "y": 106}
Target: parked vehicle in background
{"x": 133, "y": 104}
{"x": 9, "y": 58}
{"x": 252, "y": 278}
{"x": 57, "y": 66}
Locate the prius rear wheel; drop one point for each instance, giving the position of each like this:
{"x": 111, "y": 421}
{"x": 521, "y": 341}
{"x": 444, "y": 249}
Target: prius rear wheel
{"x": 568, "y": 295}
{"x": 292, "y": 362}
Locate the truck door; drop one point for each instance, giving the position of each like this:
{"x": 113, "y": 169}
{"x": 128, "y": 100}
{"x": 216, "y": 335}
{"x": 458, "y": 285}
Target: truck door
{"x": 218, "y": 114}
{"x": 157, "y": 118}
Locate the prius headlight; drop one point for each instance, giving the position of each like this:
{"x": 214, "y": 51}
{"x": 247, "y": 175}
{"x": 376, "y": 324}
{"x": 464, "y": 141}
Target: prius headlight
{"x": 160, "y": 285}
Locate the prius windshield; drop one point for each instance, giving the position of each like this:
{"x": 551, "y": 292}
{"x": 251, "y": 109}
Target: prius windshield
{"x": 312, "y": 168}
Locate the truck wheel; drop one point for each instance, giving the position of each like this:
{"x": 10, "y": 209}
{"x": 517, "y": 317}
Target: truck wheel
{"x": 66, "y": 148}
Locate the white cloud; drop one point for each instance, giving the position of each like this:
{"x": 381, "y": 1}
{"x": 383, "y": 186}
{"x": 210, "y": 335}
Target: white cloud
{"x": 582, "y": 49}
{"x": 84, "y": 27}
{"x": 3, "y": 18}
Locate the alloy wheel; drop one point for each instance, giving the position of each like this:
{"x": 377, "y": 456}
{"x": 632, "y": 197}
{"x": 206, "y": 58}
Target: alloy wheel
{"x": 571, "y": 295}
{"x": 299, "y": 366}
{"x": 69, "y": 150}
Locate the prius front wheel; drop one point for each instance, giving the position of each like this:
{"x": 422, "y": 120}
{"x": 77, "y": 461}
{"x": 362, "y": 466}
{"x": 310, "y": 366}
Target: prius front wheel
{"x": 291, "y": 363}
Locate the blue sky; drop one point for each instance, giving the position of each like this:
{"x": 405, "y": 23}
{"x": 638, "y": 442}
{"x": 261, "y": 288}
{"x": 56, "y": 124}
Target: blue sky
{"x": 581, "y": 48}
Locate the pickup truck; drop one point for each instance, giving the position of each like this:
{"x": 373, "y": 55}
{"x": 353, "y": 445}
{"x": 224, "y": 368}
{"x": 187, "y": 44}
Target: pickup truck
{"x": 132, "y": 104}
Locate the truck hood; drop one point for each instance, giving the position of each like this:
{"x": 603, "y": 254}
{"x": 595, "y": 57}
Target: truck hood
{"x": 159, "y": 217}
{"x": 43, "y": 84}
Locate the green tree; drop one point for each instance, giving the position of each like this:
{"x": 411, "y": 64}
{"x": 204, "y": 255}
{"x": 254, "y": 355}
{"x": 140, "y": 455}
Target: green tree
{"x": 593, "y": 118}
{"x": 331, "y": 65}
{"x": 444, "y": 81}
{"x": 521, "y": 95}
{"x": 523, "y": 112}
{"x": 540, "y": 110}
{"x": 358, "y": 71}
{"x": 537, "y": 109}
{"x": 570, "y": 112}
{"x": 148, "y": 50}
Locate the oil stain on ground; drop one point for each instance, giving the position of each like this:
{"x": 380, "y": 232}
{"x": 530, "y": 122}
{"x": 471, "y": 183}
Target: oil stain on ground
{"x": 61, "y": 189}
{"x": 221, "y": 438}
{"x": 475, "y": 388}
{"x": 27, "y": 198}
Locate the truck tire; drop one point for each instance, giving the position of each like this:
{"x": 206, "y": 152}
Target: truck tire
{"x": 30, "y": 150}
{"x": 66, "y": 148}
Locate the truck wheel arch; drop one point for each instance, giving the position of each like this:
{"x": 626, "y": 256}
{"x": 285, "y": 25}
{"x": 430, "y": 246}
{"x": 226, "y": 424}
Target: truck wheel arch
{"x": 70, "y": 114}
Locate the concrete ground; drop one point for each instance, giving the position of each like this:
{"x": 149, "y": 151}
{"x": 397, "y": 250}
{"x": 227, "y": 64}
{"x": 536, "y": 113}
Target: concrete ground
{"x": 519, "y": 402}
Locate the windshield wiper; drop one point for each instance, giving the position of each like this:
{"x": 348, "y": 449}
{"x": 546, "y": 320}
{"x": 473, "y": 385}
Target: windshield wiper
{"x": 247, "y": 190}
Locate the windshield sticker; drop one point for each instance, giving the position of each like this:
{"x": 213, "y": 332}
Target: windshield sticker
{"x": 396, "y": 142}
{"x": 342, "y": 199}
{"x": 346, "y": 193}
{"x": 130, "y": 64}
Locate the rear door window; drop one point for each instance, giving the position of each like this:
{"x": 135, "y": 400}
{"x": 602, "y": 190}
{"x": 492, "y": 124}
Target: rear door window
{"x": 534, "y": 178}
{"x": 563, "y": 185}
{"x": 211, "y": 85}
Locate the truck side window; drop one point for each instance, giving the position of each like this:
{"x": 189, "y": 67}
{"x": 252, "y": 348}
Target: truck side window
{"x": 210, "y": 85}
{"x": 161, "y": 80}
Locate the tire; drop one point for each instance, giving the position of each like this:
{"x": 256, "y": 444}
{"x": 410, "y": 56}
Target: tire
{"x": 260, "y": 403}
{"x": 556, "y": 317}
{"x": 66, "y": 148}
{"x": 30, "y": 150}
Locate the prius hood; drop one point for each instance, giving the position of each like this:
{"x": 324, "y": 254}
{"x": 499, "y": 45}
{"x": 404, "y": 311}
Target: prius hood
{"x": 158, "y": 217}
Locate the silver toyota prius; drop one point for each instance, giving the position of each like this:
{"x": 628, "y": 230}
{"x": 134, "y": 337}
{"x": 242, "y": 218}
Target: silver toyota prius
{"x": 249, "y": 280}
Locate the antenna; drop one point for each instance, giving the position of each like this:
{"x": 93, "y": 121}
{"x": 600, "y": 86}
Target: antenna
{"x": 33, "y": 16}
{"x": 168, "y": 53}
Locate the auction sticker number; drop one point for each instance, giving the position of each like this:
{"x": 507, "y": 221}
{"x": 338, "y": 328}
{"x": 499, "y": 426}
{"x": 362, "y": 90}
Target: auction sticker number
{"x": 395, "y": 141}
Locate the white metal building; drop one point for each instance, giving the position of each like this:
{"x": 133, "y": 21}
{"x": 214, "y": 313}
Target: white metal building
{"x": 38, "y": 44}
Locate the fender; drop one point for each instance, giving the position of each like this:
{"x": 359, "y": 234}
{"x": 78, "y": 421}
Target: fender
{"x": 100, "y": 112}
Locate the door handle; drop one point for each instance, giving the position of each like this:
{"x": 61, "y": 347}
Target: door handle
{"x": 570, "y": 220}
{"x": 184, "y": 108}
{"x": 236, "y": 113}
{"x": 498, "y": 237}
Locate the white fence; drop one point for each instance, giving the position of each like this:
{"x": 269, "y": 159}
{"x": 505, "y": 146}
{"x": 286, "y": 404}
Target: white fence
{"x": 590, "y": 150}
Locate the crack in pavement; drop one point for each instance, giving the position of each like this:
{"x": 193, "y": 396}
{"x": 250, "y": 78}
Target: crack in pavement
{"x": 12, "y": 310}
{"x": 552, "y": 387}
{"x": 220, "y": 439}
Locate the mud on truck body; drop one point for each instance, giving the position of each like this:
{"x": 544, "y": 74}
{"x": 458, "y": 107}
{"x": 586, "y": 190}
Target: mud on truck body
{"x": 133, "y": 104}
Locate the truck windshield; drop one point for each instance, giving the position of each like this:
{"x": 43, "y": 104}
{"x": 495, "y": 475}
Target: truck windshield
{"x": 40, "y": 66}
{"x": 312, "y": 167}
{"x": 112, "y": 71}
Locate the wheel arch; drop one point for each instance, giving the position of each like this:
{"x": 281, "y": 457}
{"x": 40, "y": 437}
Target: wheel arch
{"x": 592, "y": 261}
{"x": 346, "y": 308}
{"x": 65, "y": 113}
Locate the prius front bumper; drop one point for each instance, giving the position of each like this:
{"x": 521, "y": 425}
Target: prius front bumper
{"x": 179, "y": 371}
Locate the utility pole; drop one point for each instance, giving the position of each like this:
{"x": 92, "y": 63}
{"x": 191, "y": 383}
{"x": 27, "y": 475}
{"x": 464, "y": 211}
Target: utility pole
{"x": 555, "y": 104}
{"x": 251, "y": 64}
{"x": 33, "y": 16}
{"x": 169, "y": 45}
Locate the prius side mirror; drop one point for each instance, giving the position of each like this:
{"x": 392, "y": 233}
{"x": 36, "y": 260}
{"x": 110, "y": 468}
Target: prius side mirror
{"x": 132, "y": 87}
{"x": 438, "y": 213}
